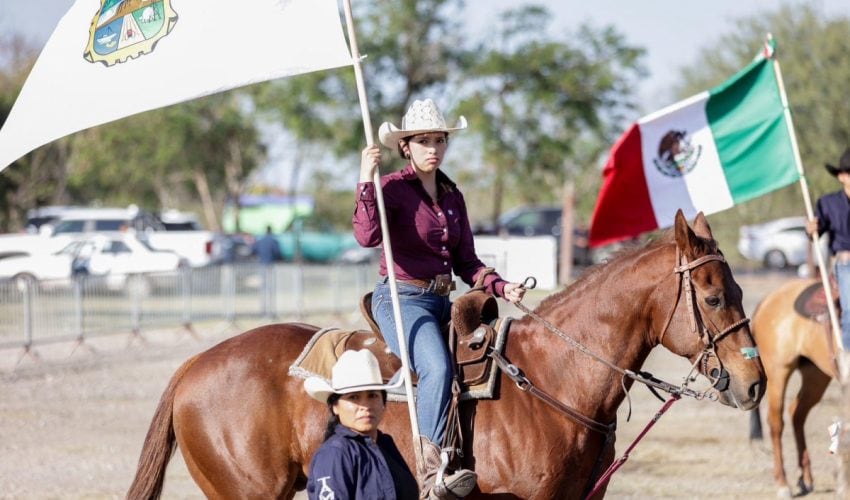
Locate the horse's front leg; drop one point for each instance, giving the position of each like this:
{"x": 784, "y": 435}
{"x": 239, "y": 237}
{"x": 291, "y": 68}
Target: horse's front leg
{"x": 777, "y": 380}
{"x": 812, "y": 387}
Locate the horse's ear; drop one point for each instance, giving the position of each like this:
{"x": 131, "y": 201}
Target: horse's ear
{"x": 701, "y": 227}
{"x": 685, "y": 237}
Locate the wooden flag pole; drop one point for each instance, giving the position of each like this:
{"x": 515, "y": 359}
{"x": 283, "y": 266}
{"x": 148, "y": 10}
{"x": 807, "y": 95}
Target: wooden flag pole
{"x": 388, "y": 254}
{"x": 804, "y": 187}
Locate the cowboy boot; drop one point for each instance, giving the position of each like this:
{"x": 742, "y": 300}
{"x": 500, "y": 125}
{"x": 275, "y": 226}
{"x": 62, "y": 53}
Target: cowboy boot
{"x": 454, "y": 485}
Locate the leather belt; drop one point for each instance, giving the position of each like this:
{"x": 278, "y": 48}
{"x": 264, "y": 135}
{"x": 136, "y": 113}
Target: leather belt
{"x": 442, "y": 284}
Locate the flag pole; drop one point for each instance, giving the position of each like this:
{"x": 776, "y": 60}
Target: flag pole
{"x": 804, "y": 187}
{"x": 388, "y": 254}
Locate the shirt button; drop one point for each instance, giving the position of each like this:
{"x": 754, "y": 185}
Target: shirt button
{"x": 445, "y": 263}
{"x": 445, "y": 230}
{"x": 444, "y": 248}
{"x": 439, "y": 214}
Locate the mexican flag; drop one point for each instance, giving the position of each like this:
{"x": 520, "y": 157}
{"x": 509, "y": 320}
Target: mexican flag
{"x": 707, "y": 153}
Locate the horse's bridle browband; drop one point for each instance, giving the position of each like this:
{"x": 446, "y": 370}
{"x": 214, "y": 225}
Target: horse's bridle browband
{"x": 684, "y": 270}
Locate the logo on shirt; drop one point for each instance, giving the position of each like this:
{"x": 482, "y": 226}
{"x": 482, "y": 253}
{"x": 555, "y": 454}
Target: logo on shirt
{"x": 326, "y": 493}
{"x": 126, "y": 29}
{"x": 676, "y": 155}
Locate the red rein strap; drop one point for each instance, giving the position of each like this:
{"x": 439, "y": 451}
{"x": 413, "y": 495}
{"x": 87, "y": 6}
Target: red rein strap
{"x": 620, "y": 461}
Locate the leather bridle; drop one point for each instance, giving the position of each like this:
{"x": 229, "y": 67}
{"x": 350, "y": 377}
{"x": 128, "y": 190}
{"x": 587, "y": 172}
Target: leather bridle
{"x": 698, "y": 326}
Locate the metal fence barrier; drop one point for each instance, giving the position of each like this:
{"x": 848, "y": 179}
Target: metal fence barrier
{"x": 42, "y": 312}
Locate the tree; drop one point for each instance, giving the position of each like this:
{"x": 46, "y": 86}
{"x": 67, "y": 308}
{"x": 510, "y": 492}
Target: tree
{"x": 545, "y": 108}
{"x": 207, "y": 147}
{"x": 814, "y": 52}
{"x": 33, "y": 179}
{"x": 411, "y": 47}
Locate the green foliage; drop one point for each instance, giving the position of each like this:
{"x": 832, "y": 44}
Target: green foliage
{"x": 204, "y": 149}
{"x": 33, "y": 179}
{"x": 411, "y": 46}
{"x": 544, "y": 107}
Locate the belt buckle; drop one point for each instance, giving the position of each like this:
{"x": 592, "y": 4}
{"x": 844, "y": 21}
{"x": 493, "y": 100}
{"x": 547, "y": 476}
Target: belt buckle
{"x": 442, "y": 284}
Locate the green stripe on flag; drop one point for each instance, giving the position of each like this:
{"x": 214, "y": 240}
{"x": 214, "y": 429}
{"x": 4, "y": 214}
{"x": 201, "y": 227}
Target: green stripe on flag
{"x": 747, "y": 120}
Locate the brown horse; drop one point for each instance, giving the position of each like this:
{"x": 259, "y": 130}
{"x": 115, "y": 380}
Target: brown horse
{"x": 247, "y": 430}
{"x": 790, "y": 341}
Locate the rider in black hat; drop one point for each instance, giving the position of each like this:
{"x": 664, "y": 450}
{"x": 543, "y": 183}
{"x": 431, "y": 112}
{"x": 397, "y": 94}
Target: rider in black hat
{"x": 832, "y": 216}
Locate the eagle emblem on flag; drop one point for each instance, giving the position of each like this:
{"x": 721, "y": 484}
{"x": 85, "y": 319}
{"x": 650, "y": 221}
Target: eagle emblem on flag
{"x": 676, "y": 155}
{"x": 126, "y": 29}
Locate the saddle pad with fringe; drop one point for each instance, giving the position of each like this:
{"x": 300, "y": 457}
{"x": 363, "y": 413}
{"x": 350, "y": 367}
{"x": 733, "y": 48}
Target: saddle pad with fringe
{"x": 324, "y": 348}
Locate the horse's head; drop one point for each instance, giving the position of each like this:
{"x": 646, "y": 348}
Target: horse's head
{"x": 708, "y": 325}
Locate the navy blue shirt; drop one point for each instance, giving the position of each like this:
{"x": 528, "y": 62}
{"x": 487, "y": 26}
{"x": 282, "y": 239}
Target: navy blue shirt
{"x": 267, "y": 249}
{"x": 352, "y": 466}
{"x": 833, "y": 213}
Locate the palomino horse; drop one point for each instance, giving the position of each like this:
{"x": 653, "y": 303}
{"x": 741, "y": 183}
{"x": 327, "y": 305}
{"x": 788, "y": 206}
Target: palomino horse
{"x": 790, "y": 341}
{"x": 246, "y": 429}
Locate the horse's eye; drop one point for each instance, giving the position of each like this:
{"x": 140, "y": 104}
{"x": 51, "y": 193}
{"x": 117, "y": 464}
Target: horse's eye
{"x": 712, "y": 301}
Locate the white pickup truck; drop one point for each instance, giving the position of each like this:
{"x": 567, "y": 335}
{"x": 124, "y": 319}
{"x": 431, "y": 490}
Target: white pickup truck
{"x": 193, "y": 245}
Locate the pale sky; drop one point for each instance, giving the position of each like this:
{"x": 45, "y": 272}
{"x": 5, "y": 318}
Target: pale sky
{"x": 670, "y": 30}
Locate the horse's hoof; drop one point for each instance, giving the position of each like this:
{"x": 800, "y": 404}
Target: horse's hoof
{"x": 784, "y": 492}
{"x": 805, "y": 488}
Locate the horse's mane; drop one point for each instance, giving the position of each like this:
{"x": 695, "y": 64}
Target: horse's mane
{"x": 618, "y": 259}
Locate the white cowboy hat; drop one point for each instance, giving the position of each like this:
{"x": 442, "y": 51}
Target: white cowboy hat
{"x": 421, "y": 117}
{"x": 354, "y": 371}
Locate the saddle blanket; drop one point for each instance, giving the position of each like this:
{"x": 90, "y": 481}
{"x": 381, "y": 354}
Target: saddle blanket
{"x": 811, "y": 303}
{"x": 327, "y": 345}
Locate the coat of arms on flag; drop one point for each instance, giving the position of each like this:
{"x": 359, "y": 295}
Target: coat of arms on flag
{"x": 125, "y": 29}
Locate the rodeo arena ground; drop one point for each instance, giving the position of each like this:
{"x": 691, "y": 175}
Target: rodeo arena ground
{"x": 82, "y": 370}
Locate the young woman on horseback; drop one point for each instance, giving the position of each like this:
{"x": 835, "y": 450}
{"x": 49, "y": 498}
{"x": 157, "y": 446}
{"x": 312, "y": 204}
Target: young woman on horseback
{"x": 431, "y": 239}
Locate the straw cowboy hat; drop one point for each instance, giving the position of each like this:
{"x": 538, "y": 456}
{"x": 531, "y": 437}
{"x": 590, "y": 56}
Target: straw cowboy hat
{"x": 421, "y": 117}
{"x": 354, "y": 371}
{"x": 843, "y": 164}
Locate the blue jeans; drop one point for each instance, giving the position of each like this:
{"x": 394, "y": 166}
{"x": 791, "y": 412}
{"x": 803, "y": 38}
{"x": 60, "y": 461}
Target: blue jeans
{"x": 842, "y": 274}
{"x": 422, "y": 313}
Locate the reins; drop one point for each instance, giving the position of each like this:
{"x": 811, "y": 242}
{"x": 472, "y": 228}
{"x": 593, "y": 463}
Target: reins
{"x": 698, "y": 327}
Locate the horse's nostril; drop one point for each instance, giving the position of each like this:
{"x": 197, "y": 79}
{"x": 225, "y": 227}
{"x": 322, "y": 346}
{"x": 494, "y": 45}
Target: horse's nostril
{"x": 755, "y": 391}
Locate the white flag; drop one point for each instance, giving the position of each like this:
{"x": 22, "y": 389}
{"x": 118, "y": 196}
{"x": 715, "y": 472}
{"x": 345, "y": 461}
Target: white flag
{"x": 108, "y": 59}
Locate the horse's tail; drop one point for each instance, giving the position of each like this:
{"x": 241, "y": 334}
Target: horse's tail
{"x": 159, "y": 444}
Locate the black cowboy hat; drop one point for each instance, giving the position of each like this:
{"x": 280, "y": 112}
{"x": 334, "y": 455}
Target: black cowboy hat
{"x": 843, "y": 164}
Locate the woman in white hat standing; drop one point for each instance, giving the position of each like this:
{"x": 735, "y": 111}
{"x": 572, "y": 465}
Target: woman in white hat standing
{"x": 431, "y": 239}
{"x": 356, "y": 460}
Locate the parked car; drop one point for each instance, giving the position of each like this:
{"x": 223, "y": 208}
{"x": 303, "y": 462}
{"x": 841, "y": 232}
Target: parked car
{"x": 120, "y": 258}
{"x": 71, "y": 223}
{"x": 38, "y": 217}
{"x": 777, "y": 244}
{"x": 314, "y": 240}
{"x": 539, "y": 221}
{"x": 230, "y": 248}
{"x": 175, "y": 220}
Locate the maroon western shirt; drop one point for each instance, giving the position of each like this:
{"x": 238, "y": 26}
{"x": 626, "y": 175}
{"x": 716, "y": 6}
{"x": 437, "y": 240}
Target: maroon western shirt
{"x": 427, "y": 238}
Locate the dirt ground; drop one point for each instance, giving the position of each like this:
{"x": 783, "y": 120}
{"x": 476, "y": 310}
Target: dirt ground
{"x": 72, "y": 425}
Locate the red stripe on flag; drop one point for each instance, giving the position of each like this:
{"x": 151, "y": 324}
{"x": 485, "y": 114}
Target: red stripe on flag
{"x": 623, "y": 208}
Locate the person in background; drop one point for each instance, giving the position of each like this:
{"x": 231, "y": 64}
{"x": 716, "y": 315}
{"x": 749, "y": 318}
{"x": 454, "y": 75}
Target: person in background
{"x": 356, "y": 460}
{"x": 832, "y": 216}
{"x": 431, "y": 239}
{"x": 267, "y": 250}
